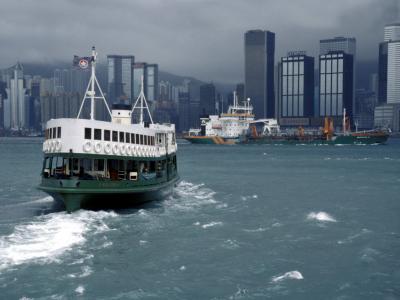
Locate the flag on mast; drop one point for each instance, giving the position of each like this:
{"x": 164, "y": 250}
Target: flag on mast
{"x": 82, "y": 62}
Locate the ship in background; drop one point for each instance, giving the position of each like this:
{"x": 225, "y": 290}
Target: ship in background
{"x": 268, "y": 132}
{"x": 224, "y": 129}
{"x": 101, "y": 164}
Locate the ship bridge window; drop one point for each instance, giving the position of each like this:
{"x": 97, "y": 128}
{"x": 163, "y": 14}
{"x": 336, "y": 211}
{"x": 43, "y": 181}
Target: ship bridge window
{"x": 127, "y": 137}
{"x": 132, "y": 138}
{"x": 146, "y": 140}
{"x": 115, "y": 136}
{"x": 88, "y": 133}
{"x": 106, "y": 135}
{"x": 121, "y": 137}
{"x": 141, "y": 139}
{"x": 97, "y": 134}
{"x": 152, "y": 140}
{"x": 137, "y": 139}
{"x": 54, "y": 132}
{"x": 58, "y": 132}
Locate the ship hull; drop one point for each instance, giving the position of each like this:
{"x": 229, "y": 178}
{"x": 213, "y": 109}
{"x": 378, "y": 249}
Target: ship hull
{"x": 353, "y": 139}
{"x": 214, "y": 140}
{"x": 77, "y": 194}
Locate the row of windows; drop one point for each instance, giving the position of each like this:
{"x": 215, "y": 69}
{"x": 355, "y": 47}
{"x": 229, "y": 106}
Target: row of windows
{"x": 293, "y": 106}
{"x": 119, "y": 136}
{"x": 331, "y": 105}
{"x": 293, "y": 68}
{"x": 331, "y": 83}
{"x": 331, "y": 65}
{"x": 52, "y": 133}
{"x": 293, "y": 85}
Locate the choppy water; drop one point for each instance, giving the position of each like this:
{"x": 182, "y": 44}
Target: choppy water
{"x": 246, "y": 222}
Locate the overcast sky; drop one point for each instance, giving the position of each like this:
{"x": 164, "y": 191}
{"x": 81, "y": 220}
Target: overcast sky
{"x": 200, "y": 38}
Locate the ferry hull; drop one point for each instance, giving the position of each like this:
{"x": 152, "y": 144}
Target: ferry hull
{"x": 96, "y": 196}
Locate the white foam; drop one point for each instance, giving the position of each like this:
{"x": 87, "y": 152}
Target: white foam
{"x": 182, "y": 268}
{"x": 80, "y": 289}
{"x": 47, "y": 237}
{"x": 211, "y": 224}
{"x": 321, "y": 216}
{"x": 288, "y": 275}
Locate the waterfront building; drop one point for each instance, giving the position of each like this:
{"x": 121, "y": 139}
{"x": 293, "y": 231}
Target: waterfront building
{"x": 184, "y": 111}
{"x": 152, "y": 82}
{"x": 207, "y": 99}
{"x": 3, "y": 96}
{"x": 120, "y": 79}
{"x": 296, "y": 88}
{"x": 240, "y": 92}
{"x": 259, "y": 71}
{"x": 336, "y": 84}
{"x": 139, "y": 71}
{"x": 16, "y": 100}
{"x": 388, "y": 116}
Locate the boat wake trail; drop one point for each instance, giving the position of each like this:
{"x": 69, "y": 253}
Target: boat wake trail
{"x": 321, "y": 216}
{"x": 46, "y": 238}
{"x": 288, "y": 275}
{"x": 189, "y": 196}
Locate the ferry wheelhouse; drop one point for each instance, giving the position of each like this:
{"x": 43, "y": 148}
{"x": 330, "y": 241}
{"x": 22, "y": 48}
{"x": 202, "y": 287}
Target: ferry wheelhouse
{"x": 90, "y": 163}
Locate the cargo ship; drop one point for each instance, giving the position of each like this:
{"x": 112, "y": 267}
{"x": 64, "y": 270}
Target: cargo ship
{"x": 90, "y": 163}
{"x": 268, "y": 131}
{"x": 224, "y": 129}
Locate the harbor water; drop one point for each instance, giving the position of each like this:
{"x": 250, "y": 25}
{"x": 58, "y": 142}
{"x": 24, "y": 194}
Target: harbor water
{"x": 245, "y": 222}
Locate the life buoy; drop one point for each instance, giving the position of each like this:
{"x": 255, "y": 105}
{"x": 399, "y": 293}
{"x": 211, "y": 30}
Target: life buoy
{"x": 58, "y": 146}
{"x": 97, "y": 147}
{"x": 122, "y": 149}
{"x": 107, "y": 148}
{"x": 87, "y": 146}
{"x": 115, "y": 148}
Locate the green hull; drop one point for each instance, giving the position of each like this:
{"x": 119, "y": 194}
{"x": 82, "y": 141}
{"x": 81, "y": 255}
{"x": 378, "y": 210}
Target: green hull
{"x": 336, "y": 140}
{"x": 214, "y": 140}
{"x": 75, "y": 194}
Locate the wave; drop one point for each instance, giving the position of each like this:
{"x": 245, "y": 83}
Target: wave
{"x": 321, "y": 216}
{"x": 45, "y": 239}
{"x": 211, "y": 224}
{"x": 288, "y": 275}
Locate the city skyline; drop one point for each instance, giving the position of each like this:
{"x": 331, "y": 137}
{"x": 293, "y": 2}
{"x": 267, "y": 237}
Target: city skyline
{"x": 189, "y": 30}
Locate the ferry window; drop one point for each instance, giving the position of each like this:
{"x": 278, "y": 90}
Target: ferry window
{"x": 127, "y": 137}
{"x": 54, "y": 133}
{"x": 106, "y": 135}
{"x": 121, "y": 136}
{"x": 115, "y": 136}
{"x": 88, "y": 133}
{"x": 137, "y": 139}
{"x": 75, "y": 164}
{"x": 145, "y": 139}
{"x": 132, "y": 138}
{"x": 98, "y": 165}
{"x": 97, "y": 134}
{"x": 141, "y": 139}
{"x": 58, "y": 132}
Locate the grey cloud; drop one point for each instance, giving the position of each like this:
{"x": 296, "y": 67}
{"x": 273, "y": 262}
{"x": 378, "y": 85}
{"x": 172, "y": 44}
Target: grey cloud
{"x": 203, "y": 38}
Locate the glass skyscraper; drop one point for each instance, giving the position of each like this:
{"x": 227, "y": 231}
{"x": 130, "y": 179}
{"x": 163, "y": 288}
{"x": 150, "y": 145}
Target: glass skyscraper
{"x": 120, "y": 78}
{"x": 336, "y": 84}
{"x": 297, "y": 86}
{"x": 150, "y": 80}
{"x": 259, "y": 71}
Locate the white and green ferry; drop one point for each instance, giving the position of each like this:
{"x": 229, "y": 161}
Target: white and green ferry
{"x": 90, "y": 163}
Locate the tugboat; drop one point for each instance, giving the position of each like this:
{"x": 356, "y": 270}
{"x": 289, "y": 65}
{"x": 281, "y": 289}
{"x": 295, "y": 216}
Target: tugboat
{"x": 224, "y": 129}
{"x": 90, "y": 163}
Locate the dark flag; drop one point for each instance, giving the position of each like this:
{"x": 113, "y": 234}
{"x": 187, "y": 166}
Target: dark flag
{"x": 82, "y": 62}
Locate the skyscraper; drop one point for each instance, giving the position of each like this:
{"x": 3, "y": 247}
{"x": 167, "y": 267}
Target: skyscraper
{"x": 16, "y": 100}
{"x": 259, "y": 62}
{"x": 297, "y": 85}
{"x": 139, "y": 71}
{"x": 392, "y": 38}
{"x": 120, "y": 78}
{"x": 207, "y": 99}
{"x": 152, "y": 82}
{"x": 336, "y": 84}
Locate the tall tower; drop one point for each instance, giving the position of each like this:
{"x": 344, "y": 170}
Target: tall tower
{"x": 259, "y": 51}
{"x": 120, "y": 79}
{"x": 16, "y": 98}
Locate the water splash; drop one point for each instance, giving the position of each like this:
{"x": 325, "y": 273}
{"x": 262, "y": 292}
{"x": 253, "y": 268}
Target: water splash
{"x": 48, "y": 237}
{"x": 288, "y": 275}
{"x": 321, "y": 216}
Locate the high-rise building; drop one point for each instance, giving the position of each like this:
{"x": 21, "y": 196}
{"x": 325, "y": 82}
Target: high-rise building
{"x": 297, "y": 85}
{"x": 240, "y": 92}
{"x": 184, "y": 111}
{"x": 382, "y": 72}
{"x": 336, "y": 84}
{"x": 139, "y": 71}
{"x": 120, "y": 79}
{"x": 152, "y": 82}
{"x": 3, "y": 96}
{"x": 259, "y": 48}
{"x": 16, "y": 100}
{"x": 207, "y": 99}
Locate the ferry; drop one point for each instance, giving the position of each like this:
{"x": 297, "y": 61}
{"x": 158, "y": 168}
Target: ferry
{"x": 90, "y": 163}
{"x": 224, "y": 129}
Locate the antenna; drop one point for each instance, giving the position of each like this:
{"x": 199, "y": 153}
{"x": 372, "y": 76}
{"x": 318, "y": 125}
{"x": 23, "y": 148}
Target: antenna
{"x": 91, "y": 94}
{"x": 143, "y": 104}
